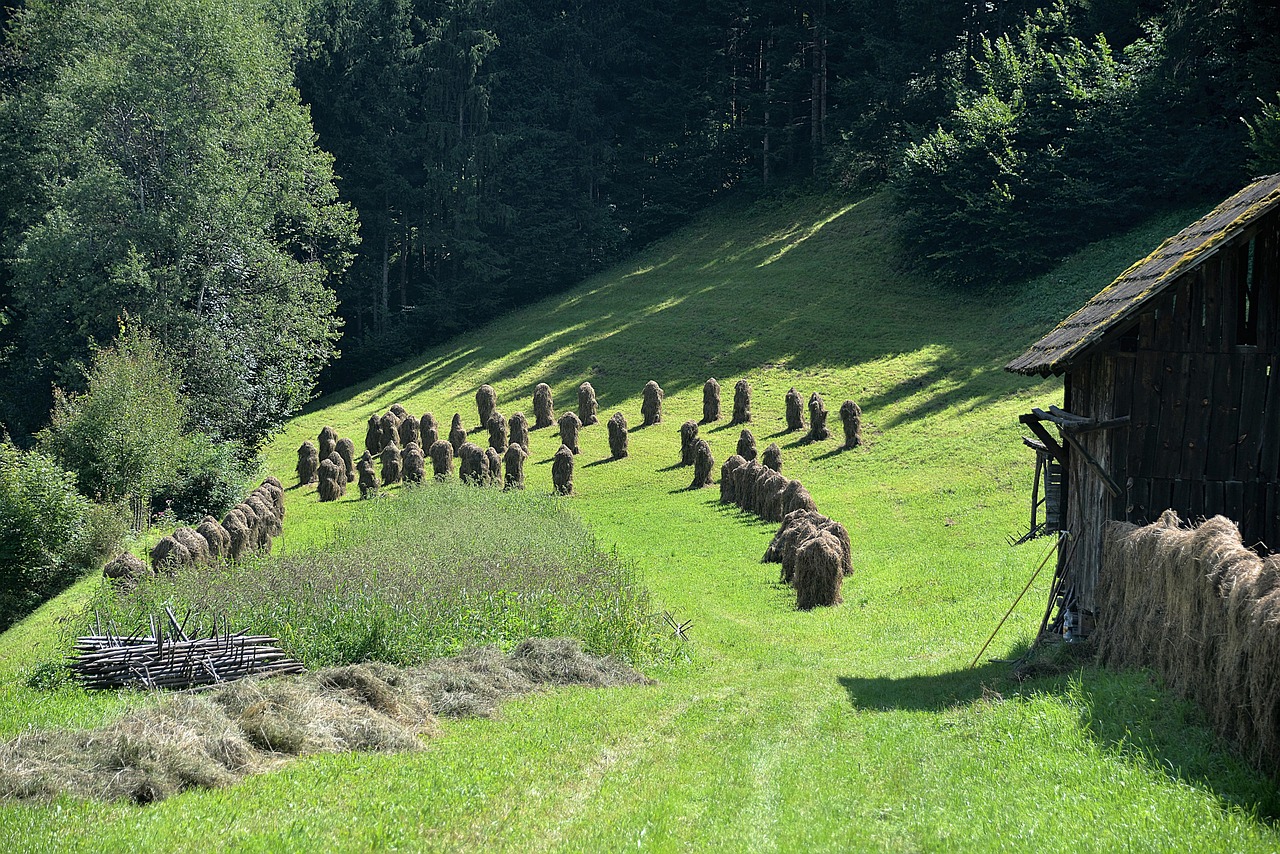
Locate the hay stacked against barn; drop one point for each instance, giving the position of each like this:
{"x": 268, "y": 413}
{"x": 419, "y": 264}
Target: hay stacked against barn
{"x": 1204, "y": 611}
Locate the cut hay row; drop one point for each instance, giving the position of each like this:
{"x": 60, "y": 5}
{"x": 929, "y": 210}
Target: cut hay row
{"x": 1203, "y": 611}
{"x": 214, "y": 738}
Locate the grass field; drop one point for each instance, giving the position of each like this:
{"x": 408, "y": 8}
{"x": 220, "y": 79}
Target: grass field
{"x": 853, "y": 728}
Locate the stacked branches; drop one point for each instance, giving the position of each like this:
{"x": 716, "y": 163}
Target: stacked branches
{"x": 1204, "y": 611}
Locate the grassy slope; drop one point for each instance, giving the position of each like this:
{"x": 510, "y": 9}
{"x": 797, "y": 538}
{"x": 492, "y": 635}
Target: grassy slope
{"x": 847, "y": 728}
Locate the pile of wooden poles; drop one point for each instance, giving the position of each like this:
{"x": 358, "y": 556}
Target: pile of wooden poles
{"x": 168, "y": 658}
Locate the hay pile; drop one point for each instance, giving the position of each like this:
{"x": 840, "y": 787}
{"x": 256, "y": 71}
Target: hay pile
{"x": 747, "y": 445}
{"x": 651, "y": 405}
{"x": 493, "y": 467}
{"x": 741, "y": 402}
{"x": 473, "y": 465}
{"x": 368, "y": 478}
{"x": 519, "y": 427}
{"x": 772, "y": 457}
{"x": 710, "y": 401}
{"x": 497, "y": 426}
{"x": 587, "y": 406}
{"x": 703, "y": 464}
{"x": 328, "y": 441}
{"x": 486, "y": 403}
{"x": 388, "y": 430}
{"x": 761, "y": 490}
{"x": 818, "y": 419}
{"x": 810, "y": 572}
{"x": 333, "y": 482}
{"x": 415, "y": 465}
{"x": 215, "y": 738}
{"x": 544, "y": 413}
{"x": 562, "y": 470}
{"x": 392, "y": 465}
{"x": 346, "y": 451}
{"x": 410, "y": 432}
{"x": 251, "y": 524}
{"x": 618, "y": 435}
{"x": 514, "y": 460}
{"x": 1204, "y": 611}
{"x": 457, "y": 434}
{"x": 441, "y": 459}
{"x": 795, "y": 411}
{"x": 428, "y": 430}
{"x": 308, "y": 463}
{"x": 373, "y": 436}
{"x": 851, "y": 420}
{"x": 688, "y": 436}
{"x": 570, "y": 425}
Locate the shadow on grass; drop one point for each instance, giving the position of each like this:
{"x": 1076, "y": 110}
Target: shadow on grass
{"x": 603, "y": 462}
{"x": 1125, "y": 713}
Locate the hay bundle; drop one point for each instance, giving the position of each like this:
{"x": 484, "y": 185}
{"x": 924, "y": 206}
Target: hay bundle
{"x": 497, "y": 427}
{"x": 744, "y": 487}
{"x": 271, "y": 488}
{"x": 373, "y": 435}
{"x": 514, "y": 459}
{"x": 216, "y": 536}
{"x": 415, "y": 464}
{"x": 388, "y": 431}
{"x": 795, "y": 411}
{"x": 796, "y": 497}
{"x": 473, "y": 465}
{"x": 441, "y": 459}
{"x": 126, "y": 568}
{"x": 772, "y": 457}
{"x": 769, "y": 491}
{"x": 338, "y": 461}
{"x": 587, "y": 405}
{"x": 851, "y": 419}
{"x": 486, "y": 402}
{"x": 308, "y": 463}
{"x": 703, "y": 464}
{"x": 728, "y": 472}
{"x": 392, "y": 464}
{"x": 368, "y": 478}
{"x": 818, "y": 572}
{"x": 544, "y": 413}
{"x": 457, "y": 434}
{"x": 238, "y": 529}
{"x": 747, "y": 445}
{"x": 688, "y": 437}
{"x": 796, "y": 528}
{"x": 258, "y": 527}
{"x": 741, "y": 402}
{"x": 651, "y": 403}
{"x": 328, "y": 441}
{"x": 268, "y": 525}
{"x": 710, "y": 401}
{"x": 817, "y": 419}
{"x": 346, "y": 450}
{"x": 569, "y": 427}
{"x": 170, "y": 554}
{"x": 493, "y": 467}
{"x": 428, "y": 432}
{"x": 328, "y": 488}
{"x": 410, "y": 432}
{"x": 617, "y": 435}
{"x": 562, "y": 471}
{"x": 399, "y": 411}
{"x": 519, "y": 426}
{"x": 835, "y": 529}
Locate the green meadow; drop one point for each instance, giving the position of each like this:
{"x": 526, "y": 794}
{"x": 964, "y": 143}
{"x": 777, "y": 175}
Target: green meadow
{"x": 858, "y": 727}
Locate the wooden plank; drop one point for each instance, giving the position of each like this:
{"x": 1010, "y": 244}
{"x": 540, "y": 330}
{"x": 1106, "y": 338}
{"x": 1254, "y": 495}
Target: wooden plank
{"x": 1195, "y": 311}
{"x": 1139, "y": 500}
{"x": 1148, "y": 429}
{"x": 1173, "y": 416}
{"x": 1051, "y": 444}
{"x": 1146, "y": 331}
{"x": 1212, "y": 295}
{"x": 1182, "y": 317}
{"x": 1253, "y": 398}
{"x": 1265, "y": 268}
{"x": 1220, "y": 450}
{"x": 1165, "y": 322}
{"x": 1215, "y": 498}
{"x": 1180, "y": 498}
{"x": 1229, "y": 286}
{"x": 1233, "y": 501}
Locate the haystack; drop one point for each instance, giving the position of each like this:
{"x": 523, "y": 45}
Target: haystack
{"x": 617, "y": 435}
{"x": 851, "y": 419}
{"x": 126, "y": 568}
{"x": 392, "y": 465}
{"x": 328, "y": 441}
{"x": 346, "y": 450}
{"x": 473, "y": 465}
{"x": 514, "y": 461}
{"x": 587, "y": 405}
{"x": 457, "y": 434}
{"x": 651, "y": 404}
{"x": 415, "y": 464}
{"x": 410, "y": 432}
{"x": 569, "y": 427}
{"x": 519, "y": 427}
{"x": 497, "y": 427}
{"x": 562, "y": 470}
{"x": 710, "y": 401}
{"x": 544, "y": 413}
{"x": 486, "y": 402}
{"x": 170, "y": 554}
{"x": 688, "y": 436}
{"x": 795, "y": 411}
{"x": 703, "y": 464}
{"x": 367, "y": 477}
{"x": 493, "y": 467}
{"x": 428, "y": 430}
{"x": 817, "y": 419}
{"x": 818, "y": 572}
{"x": 747, "y": 445}
{"x": 216, "y": 536}
{"x": 328, "y": 487}
{"x": 728, "y": 472}
{"x": 741, "y": 402}
{"x": 441, "y": 459}
{"x": 238, "y": 529}
{"x": 772, "y": 457}
{"x": 399, "y": 411}
{"x": 796, "y": 497}
{"x": 373, "y": 436}
{"x": 388, "y": 431}
{"x": 308, "y": 463}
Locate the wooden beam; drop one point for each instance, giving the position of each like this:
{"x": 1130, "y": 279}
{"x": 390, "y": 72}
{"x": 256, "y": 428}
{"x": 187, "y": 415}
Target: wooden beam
{"x": 1093, "y": 464}
{"x": 1051, "y": 444}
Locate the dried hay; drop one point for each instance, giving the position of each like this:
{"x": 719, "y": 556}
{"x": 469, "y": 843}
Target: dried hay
{"x": 817, "y": 419}
{"x": 410, "y": 431}
{"x": 851, "y": 419}
{"x": 1204, "y": 611}
{"x": 795, "y": 411}
{"x": 728, "y": 473}
{"x": 388, "y": 431}
{"x": 651, "y": 403}
{"x": 272, "y": 487}
{"x": 486, "y": 402}
{"x": 587, "y": 406}
{"x": 441, "y": 459}
{"x": 796, "y": 497}
{"x": 570, "y": 425}
{"x": 519, "y": 427}
{"x": 710, "y": 401}
{"x": 373, "y": 435}
{"x": 346, "y": 449}
{"x": 747, "y": 445}
{"x": 544, "y": 413}
{"x": 399, "y": 411}
{"x": 562, "y": 470}
{"x": 328, "y": 488}
{"x": 392, "y": 464}
{"x": 127, "y": 567}
{"x": 493, "y": 467}
{"x": 818, "y": 573}
{"x": 169, "y": 554}
{"x": 617, "y": 435}
{"x": 744, "y": 488}
{"x": 194, "y": 543}
{"x": 308, "y": 463}
{"x": 703, "y": 464}
{"x": 457, "y": 434}
{"x": 688, "y": 436}
{"x": 772, "y": 457}
{"x": 368, "y": 478}
{"x": 428, "y": 431}
{"x": 415, "y": 465}
{"x": 741, "y": 402}
{"x": 769, "y": 491}
{"x": 238, "y": 529}
{"x": 473, "y": 465}
{"x": 328, "y": 441}
{"x": 497, "y": 427}
{"x": 796, "y": 528}
{"x": 341, "y": 465}
{"x": 513, "y": 460}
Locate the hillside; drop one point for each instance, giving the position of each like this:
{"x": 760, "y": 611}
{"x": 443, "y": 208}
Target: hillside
{"x": 852, "y": 728}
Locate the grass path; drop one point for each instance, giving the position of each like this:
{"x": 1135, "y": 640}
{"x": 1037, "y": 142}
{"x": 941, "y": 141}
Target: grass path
{"x": 854, "y": 728}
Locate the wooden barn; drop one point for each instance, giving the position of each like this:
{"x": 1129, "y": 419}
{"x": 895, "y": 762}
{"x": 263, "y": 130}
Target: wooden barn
{"x": 1169, "y": 373}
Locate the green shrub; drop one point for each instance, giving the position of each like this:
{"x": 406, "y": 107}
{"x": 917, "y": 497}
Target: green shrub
{"x": 432, "y": 571}
{"x": 209, "y": 478}
{"x": 1264, "y": 139}
{"x": 49, "y": 533}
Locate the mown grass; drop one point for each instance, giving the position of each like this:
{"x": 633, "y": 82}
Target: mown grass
{"x": 854, "y": 728}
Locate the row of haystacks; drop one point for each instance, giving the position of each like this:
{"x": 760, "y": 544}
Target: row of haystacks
{"x": 214, "y": 738}
{"x": 816, "y": 554}
{"x": 1203, "y": 611}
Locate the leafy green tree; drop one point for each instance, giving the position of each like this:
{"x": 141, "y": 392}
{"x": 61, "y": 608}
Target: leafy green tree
{"x": 171, "y": 174}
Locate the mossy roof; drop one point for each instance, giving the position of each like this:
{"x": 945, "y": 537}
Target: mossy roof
{"x": 1125, "y": 297}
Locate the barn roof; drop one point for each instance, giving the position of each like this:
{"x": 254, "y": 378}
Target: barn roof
{"x": 1124, "y": 297}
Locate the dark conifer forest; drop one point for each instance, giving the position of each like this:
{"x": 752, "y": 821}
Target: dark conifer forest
{"x": 261, "y": 184}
